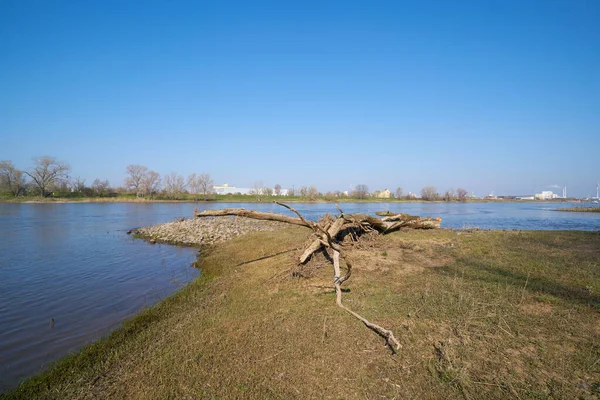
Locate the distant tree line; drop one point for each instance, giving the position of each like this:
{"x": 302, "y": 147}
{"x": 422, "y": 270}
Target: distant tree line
{"x": 49, "y": 176}
{"x": 430, "y": 193}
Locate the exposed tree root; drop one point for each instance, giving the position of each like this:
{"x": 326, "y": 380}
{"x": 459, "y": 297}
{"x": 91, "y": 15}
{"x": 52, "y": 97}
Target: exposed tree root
{"x": 390, "y": 340}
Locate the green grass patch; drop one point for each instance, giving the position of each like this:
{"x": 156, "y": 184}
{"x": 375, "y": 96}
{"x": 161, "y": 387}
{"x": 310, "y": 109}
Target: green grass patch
{"x": 580, "y": 209}
{"x": 489, "y": 315}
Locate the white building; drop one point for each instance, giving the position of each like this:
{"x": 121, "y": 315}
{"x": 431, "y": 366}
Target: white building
{"x": 383, "y": 194}
{"x": 546, "y": 195}
{"x": 226, "y": 189}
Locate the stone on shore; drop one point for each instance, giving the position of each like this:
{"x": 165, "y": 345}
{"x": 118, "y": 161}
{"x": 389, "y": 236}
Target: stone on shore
{"x": 203, "y": 231}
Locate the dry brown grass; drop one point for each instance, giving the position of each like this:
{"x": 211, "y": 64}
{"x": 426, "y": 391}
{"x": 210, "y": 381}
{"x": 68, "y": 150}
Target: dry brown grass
{"x": 480, "y": 315}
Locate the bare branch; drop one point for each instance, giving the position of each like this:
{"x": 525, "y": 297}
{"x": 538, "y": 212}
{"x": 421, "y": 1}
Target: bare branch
{"x": 251, "y": 214}
{"x": 310, "y": 224}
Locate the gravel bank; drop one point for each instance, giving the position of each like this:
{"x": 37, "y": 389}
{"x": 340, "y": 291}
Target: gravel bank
{"x": 202, "y": 231}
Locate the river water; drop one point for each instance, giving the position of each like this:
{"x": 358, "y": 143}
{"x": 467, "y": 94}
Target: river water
{"x": 69, "y": 273}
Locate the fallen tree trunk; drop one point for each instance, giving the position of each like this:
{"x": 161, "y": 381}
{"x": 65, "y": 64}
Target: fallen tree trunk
{"x": 383, "y": 225}
{"x": 241, "y": 212}
{"x": 327, "y": 237}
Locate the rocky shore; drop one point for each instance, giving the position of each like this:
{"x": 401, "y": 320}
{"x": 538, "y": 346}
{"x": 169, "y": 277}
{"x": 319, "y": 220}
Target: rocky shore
{"x": 203, "y": 231}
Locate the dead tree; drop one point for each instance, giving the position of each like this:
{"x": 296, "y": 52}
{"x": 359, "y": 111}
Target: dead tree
{"x": 327, "y": 237}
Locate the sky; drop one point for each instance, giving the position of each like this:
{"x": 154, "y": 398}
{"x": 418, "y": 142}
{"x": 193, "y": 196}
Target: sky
{"x": 499, "y": 96}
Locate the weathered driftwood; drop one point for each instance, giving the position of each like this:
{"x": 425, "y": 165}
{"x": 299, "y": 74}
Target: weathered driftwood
{"x": 327, "y": 237}
{"x": 241, "y": 212}
{"x": 367, "y": 222}
{"x": 333, "y": 231}
{"x": 382, "y": 225}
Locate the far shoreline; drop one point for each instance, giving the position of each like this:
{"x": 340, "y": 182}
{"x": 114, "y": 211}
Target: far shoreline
{"x": 224, "y": 199}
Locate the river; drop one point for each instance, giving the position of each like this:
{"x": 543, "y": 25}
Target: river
{"x": 69, "y": 273}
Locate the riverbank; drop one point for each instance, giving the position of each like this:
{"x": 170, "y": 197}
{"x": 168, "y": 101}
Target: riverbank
{"x": 495, "y": 314}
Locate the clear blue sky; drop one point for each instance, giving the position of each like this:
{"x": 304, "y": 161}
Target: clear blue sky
{"x": 485, "y": 95}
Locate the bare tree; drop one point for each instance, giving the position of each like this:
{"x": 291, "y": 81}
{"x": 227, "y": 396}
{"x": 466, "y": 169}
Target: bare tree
{"x": 429, "y": 193}
{"x": 11, "y": 178}
{"x": 100, "y": 188}
{"x": 291, "y": 192}
{"x": 78, "y": 184}
{"x": 399, "y": 193}
{"x": 205, "y": 183}
{"x": 277, "y": 191}
{"x": 200, "y": 184}
{"x": 257, "y": 189}
{"x": 312, "y": 193}
{"x": 151, "y": 183}
{"x": 47, "y": 172}
{"x": 461, "y": 194}
{"x": 449, "y": 195}
{"x": 193, "y": 185}
{"x": 267, "y": 191}
{"x": 174, "y": 185}
{"x": 135, "y": 180}
{"x": 360, "y": 191}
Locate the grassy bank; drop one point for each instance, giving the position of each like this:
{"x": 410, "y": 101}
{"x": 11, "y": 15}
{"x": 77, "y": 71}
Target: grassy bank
{"x": 580, "y": 209}
{"x": 480, "y": 315}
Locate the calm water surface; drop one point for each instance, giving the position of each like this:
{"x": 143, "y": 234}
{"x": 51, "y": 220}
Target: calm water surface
{"x": 69, "y": 274}
{"x": 75, "y": 264}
